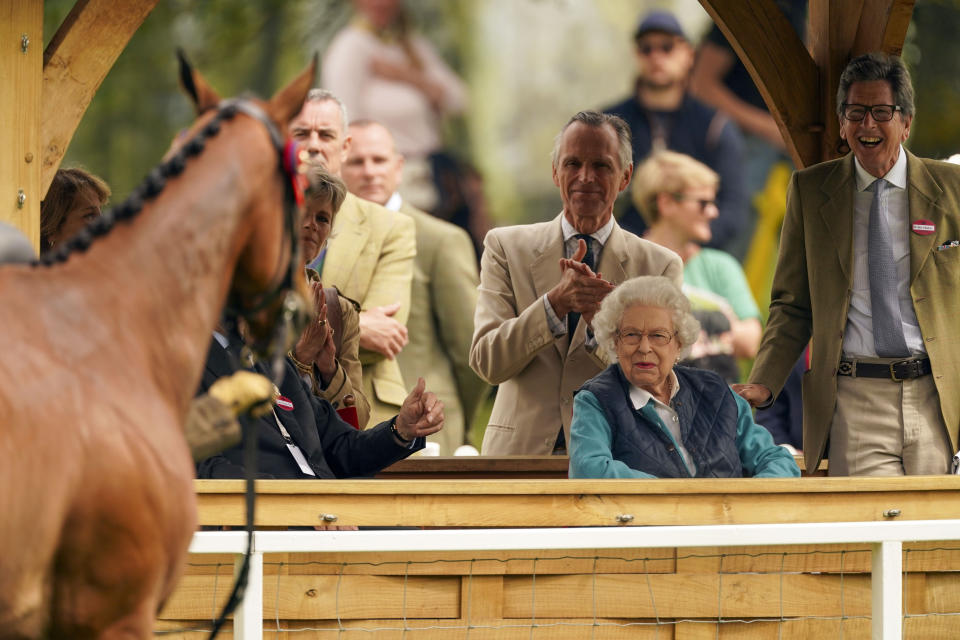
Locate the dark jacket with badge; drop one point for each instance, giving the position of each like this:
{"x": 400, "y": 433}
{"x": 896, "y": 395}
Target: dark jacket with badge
{"x": 332, "y": 448}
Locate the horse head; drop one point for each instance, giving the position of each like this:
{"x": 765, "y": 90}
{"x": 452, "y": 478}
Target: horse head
{"x": 269, "y": 290}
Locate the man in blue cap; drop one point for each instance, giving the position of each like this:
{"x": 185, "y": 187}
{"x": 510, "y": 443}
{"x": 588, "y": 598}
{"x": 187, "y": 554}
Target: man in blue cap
{"x": 663, "y": 115}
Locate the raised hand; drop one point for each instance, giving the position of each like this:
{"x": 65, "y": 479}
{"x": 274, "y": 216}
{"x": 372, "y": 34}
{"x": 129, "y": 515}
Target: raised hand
{"x": 316, "y": 345}
{"x": 421, "y": 413}
{"x": 579, "y": 289}
{"x": 380, "y": 332}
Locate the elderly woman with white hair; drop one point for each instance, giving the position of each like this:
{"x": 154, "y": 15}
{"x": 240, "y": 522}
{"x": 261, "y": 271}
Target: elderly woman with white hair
{"x": 646, "y": 417}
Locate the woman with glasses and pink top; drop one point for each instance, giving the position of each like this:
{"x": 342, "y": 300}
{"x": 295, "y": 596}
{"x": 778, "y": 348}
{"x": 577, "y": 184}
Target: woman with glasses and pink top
{"x": 646, "y": 417}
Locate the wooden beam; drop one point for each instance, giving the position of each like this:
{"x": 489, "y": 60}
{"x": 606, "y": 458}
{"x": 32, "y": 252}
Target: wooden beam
{"x": 557, "y": 503}
{"x": 780, "y": 66}
{"x": 76, "y": 61}
{"x": 883, "y": 26}
{"x": 21, "y": 34}
{"x": 840, "y": 31}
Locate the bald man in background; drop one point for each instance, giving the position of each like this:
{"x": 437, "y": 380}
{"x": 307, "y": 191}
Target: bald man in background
{"x": 444, "y": 292}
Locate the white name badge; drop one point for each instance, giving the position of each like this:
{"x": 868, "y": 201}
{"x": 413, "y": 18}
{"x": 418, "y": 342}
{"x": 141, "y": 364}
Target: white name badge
{"x": 301, "y": 460}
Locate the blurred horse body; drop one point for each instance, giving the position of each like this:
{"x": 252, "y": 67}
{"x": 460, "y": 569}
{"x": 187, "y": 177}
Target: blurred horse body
{"x": 101, "y": 355}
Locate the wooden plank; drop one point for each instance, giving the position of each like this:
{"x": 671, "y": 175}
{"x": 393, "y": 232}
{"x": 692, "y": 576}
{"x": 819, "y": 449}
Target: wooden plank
{"x": 500, "y": 503}
{"x": 687, "y": 596}
{"x": 780, "y": 66}
{"x": 482, "y": 598}
{"x": 76, "y": 61}
{"x": 325, "y": 597}
{"x": 478, "y": 467}
{"x": 801, "y": 629}
{"x": 492, "y": 468}
{"x": 519, "y": 562}
{"x": 427, "y": 629}
{"x": 704, "y": 487}
{"x": 20, "y": 72}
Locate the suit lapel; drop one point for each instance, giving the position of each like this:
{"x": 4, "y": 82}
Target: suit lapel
{"x": 347, "y": 239}
{"x": 837, "y": 212}
{"x": 923, "y": 192}
{"x": 545, "y": 265}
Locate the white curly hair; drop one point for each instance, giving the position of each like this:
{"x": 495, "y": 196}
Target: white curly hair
{"x": 652, "y": 291}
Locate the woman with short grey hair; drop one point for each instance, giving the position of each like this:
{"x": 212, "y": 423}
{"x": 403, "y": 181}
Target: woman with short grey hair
{"x": 646, "y": 417}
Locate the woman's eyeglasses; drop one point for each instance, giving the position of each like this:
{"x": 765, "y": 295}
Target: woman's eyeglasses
{"x": 634, "y": 338}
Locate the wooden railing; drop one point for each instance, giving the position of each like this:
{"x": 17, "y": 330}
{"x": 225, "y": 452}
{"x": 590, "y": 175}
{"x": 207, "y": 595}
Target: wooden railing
{"x": 790, "y": 591}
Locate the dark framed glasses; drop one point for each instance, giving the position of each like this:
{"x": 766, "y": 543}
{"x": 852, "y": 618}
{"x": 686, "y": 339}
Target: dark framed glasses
{"x": 879, "y": 112}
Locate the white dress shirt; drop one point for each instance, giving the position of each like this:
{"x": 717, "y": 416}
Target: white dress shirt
{"x": 858, "y": 335}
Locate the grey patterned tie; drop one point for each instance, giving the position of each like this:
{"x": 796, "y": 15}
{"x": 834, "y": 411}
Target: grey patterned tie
{"x": 884, "y": 301}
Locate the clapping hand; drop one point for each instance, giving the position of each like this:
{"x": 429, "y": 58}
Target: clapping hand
{"x": 579, "y": 289}
{"x": 316, "y": 345}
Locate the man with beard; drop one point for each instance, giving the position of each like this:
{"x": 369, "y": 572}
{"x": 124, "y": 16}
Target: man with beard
{"x": 663, "y": 115}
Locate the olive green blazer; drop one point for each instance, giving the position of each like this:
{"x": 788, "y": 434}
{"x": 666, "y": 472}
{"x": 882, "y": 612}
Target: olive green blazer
{"x": 442, "y": 302}
{"x": 814, "y": 280}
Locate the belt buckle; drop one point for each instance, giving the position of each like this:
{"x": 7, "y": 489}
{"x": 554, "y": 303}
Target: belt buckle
{"x": 893, "y": 373}
{"x": 847, "y": 368}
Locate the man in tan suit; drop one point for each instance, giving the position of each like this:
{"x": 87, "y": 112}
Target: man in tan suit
{"x": 869, "y": 268}
{"x": 539, "y": 292}
{"x": 369, "y": 257}
{"x": 444, "y": 293}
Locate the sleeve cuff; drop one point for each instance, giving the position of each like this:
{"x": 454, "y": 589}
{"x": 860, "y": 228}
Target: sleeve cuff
{"x": 557, "y": 326}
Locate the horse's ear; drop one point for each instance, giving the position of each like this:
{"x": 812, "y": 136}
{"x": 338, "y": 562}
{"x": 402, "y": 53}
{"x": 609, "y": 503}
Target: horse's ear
{"x": 203, "y": 96}
{"x": 287, "y": 102}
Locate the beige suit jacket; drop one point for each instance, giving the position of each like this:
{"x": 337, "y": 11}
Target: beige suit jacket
{"x": 370, "y": 259}
{"x": 814, "y": 279}
{"x": 442, "y": 303}
{"x": 512, "y": 343}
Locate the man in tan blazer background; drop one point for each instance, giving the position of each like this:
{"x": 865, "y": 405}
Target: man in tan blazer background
{"x": 536, "y": 285}
{"x": 883, "y": 414}
{"x": 444, "y": 292}
{"x": 369, "y": 257}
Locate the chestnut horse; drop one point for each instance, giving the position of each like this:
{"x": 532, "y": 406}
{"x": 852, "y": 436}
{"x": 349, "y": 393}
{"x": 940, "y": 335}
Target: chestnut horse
{"x": 102, "y": 351}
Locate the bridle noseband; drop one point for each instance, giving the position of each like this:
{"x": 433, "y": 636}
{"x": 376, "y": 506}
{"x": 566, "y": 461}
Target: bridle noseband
{"x": 293, "y": 311}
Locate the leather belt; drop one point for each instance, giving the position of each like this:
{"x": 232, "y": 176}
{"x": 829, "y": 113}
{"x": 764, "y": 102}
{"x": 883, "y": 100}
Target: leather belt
{"x": 897, "y": 371}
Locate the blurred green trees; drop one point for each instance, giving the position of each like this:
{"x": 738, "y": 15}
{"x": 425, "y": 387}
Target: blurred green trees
{"x": 529, "y": 65}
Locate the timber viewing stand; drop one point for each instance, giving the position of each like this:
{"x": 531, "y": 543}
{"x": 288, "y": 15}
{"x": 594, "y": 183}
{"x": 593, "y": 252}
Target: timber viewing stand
{"x": 554, "y": 558}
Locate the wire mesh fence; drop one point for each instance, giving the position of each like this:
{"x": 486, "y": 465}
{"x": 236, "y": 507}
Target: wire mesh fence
{"x": 785, "y": 591}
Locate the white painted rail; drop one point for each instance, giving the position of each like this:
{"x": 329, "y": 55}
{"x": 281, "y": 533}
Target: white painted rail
{"x": 886, "y": 538}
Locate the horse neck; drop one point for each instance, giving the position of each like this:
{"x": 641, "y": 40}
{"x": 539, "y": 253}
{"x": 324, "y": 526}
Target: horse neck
{"x": 174, "y": 264}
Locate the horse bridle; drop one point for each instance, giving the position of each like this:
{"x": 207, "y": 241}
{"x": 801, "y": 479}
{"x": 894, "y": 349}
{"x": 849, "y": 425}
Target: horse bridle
{"x": 293, "y": 312}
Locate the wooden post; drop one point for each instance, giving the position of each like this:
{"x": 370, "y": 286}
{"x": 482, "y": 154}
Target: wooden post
{"x": 21, "y": 57}
{"x": 73, "y": 68}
